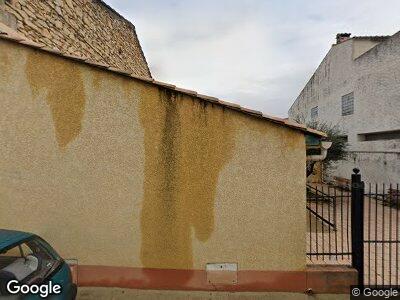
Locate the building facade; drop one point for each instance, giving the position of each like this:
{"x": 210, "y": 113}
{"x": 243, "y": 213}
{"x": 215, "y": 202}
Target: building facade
{"x": 150, "y": 186}
{"x": 357, "y": 87}
{"x": 85, "y": 28}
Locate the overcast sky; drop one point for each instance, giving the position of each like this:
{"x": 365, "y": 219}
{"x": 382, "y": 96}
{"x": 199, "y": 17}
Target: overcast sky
{"x": 256, "y": 53}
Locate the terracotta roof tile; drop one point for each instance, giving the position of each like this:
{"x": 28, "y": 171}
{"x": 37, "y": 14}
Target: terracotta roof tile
{"x": 119, "y": 71}
{"x": 16, "y": 38}
{"x": 252, "y": 111}
{"x": 317, "y": 132}
{"x": 54, "y": 51}
{"x": 6, "y": 36}
{"x": 372, "y": 37}
{"x": 208, "y": 98}
{"x": 292, "y": 123}
{"x": 8, "y": 33}
{"x": 97, "y": 64}
{"x": 185, "y": 91}
{"x": 229, "y": 104}
{"x": 277, "y": 119}
{"x": 164, "y": 84}
{"x": 32, "y": 44}
{"x": 74, "y": 57}
{"x": 151, "y": 80}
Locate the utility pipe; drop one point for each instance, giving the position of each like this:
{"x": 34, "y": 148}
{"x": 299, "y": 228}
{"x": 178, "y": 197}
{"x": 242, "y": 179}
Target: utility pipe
{"x": 324, "y": 151}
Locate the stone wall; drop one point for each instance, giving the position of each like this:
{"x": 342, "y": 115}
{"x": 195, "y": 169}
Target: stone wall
{"x": 81, "y": 27}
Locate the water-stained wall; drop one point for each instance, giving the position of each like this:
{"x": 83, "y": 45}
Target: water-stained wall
{"x": 115, "y": 171}
{"x": 186, "y": 148}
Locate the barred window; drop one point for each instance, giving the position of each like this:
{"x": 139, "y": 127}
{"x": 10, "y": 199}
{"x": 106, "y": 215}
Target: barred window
{"x": 314, "y": 113}
{"x": 348, "y": 104}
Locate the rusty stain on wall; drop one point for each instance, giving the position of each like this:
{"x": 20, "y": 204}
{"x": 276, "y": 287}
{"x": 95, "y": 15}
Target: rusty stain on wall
{"x": 62, "y": 85}
{"x": 185, "y": 149}
{"x": 234, "y": 165}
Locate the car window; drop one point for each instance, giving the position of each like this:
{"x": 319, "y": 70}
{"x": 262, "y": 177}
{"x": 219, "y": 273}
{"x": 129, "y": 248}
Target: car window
{"x": 25, "y": 249}
{"x": 15, "y": 264}
{"x": 29, "y": 261}
{"x": 13, "y": 252}
{"x": 9, "y": 256}
{"x": 43, "y": 249}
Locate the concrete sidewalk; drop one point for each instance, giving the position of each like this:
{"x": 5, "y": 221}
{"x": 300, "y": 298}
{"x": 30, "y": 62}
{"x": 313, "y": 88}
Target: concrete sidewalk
{"x": 116, "y": 294}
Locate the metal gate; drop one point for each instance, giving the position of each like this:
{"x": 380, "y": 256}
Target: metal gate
{"x": 381, "y": 235}
{"x": 358, "y": 226}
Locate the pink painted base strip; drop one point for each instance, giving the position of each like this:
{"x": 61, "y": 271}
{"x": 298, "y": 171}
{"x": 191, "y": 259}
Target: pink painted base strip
{"x": 320, "y": 280}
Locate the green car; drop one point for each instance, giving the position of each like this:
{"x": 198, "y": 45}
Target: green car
{"x": 31, "y": 269}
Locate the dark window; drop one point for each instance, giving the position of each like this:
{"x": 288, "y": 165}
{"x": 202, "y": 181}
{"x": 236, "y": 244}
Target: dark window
{"x": 348, "y": 104}
{"x": 379, "y": 136}
{"x": 314, "y": 112}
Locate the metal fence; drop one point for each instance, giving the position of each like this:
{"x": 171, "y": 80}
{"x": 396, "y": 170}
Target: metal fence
{"x": 328, "y": 222}
{"x": 358, "y": 226}
{"x": 381, "y": 234}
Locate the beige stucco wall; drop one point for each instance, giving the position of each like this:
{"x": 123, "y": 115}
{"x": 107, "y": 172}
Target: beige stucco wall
{"x": 115, "y": 171}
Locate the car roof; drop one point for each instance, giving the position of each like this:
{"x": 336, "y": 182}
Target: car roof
{"x": 10, "y": 237}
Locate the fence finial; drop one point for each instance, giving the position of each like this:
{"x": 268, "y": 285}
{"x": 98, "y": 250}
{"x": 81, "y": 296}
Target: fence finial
{"x": 356, "y": 170}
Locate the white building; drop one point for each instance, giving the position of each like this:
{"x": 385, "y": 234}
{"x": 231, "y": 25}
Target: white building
{"x": 357, "y": 86}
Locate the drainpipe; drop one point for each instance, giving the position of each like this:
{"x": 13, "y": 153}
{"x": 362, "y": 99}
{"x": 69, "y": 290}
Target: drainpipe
{"x": 324, "y": 151}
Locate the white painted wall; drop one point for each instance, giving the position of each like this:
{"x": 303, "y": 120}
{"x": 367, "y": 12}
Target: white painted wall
{"x": 374, "y": 77}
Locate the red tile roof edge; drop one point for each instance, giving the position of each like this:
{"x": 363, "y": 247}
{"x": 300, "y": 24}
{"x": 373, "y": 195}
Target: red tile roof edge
{"x": 288, "y": 123}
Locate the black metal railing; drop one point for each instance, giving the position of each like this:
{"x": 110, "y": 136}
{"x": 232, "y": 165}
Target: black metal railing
{"x": 328, "y": 223}
{"x": 358, "y": 227}
{"x": 381, "y": 235}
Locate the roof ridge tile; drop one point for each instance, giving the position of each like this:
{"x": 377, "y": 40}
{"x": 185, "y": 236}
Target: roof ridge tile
{"x": 252, "y": 111}
{"x": 75, "y": 57}
{"x": 119, "y": 71}
{"x": 97, "y": 63}
{"x": 186, "y": 91}
{"x": 168, "y": 85}
{"x": 133, "y": 75}
{"x": 208, "y": 98}
{"x": 32, "y": 44}
{"x": 52, "y": 50}
{"x": 230, "y": 104}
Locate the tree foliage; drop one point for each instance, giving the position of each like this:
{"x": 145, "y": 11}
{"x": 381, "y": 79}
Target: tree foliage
{"x": 338, "y": 150}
